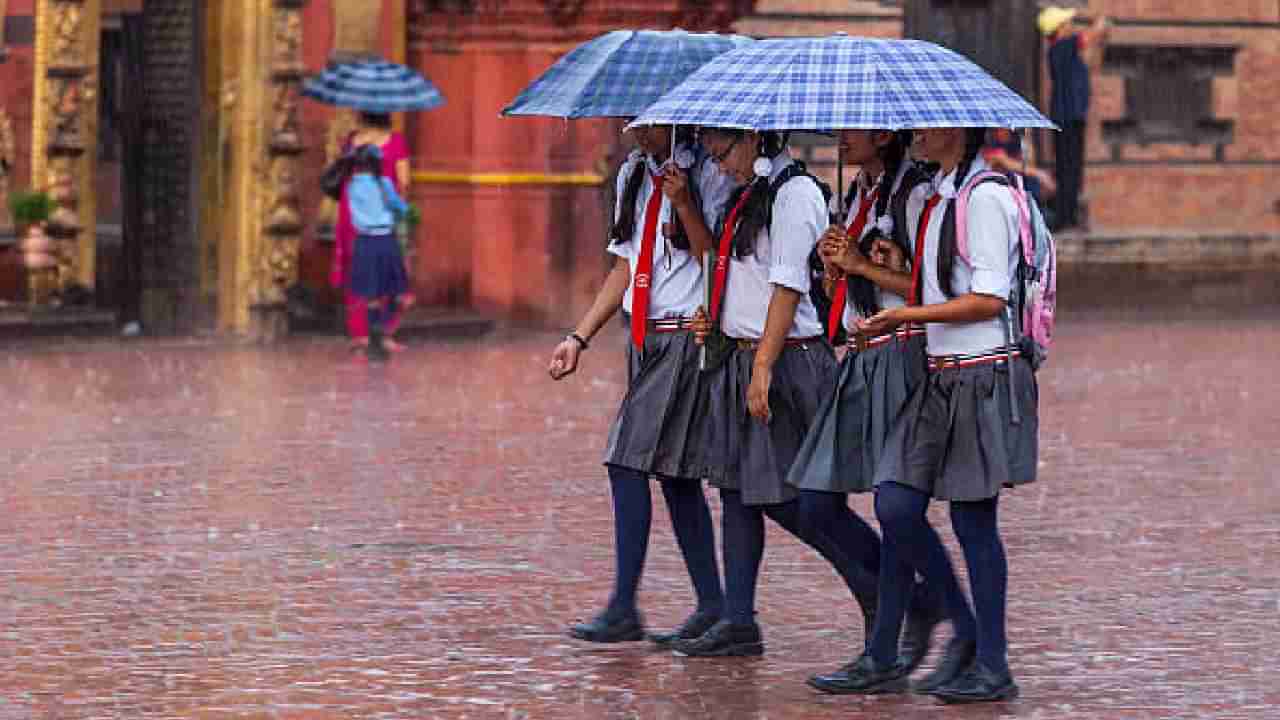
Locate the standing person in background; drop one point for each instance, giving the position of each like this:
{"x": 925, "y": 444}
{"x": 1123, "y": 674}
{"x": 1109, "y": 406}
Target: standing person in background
{"x": 377, "y": 268}
{"x": 374, "y": 129}
{"x": 1069, "y": 103}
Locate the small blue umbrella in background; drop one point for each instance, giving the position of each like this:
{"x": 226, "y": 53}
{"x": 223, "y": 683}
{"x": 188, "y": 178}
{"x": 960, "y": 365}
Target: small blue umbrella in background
{"x": 620, "y": 73}
{"x": 840, "y": 82}
{"x": 373, "y": 85}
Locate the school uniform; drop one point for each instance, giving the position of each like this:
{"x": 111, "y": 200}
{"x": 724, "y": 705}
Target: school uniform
{"x": 956, "y": 439}
{"x": 661, "y": 421}
{"x": 751, "y": 458}
{"x": 968, "y": 431}
{"x": 662, "y": 417}
{"x": 872, "y": 383}
{"x": 377, "y": 270}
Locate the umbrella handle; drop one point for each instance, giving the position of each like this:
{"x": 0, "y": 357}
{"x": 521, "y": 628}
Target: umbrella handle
{"x": 839, "y": 182}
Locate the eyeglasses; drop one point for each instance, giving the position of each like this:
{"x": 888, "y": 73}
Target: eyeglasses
{"x": 719, "y": 158}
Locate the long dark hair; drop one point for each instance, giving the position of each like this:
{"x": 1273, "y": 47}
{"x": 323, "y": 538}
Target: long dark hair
{"x": 974, "y": 140}
{"x": 758, "y": 212}
{"x": 861, "y": 290}
{"x": 624, "y": 223}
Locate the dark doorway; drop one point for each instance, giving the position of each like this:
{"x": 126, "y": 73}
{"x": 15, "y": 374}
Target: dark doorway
{"x": 999, "y": 35}
{"x": 150, "y": 265}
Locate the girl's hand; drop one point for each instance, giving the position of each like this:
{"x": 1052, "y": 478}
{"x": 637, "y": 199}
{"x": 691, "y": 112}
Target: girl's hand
{"x": 758, "y": 394}
{"x": 564, "y": 360}
{"x": 887, "y": 253}
{"x": 882, "y": 323}
{"x": 675, "y": 186}
{"x": 701, "y": 326}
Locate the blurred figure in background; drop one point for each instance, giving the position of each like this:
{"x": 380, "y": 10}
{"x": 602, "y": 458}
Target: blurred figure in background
{"x": 1069, "y": 103}
{"x": 1005, "y": 152}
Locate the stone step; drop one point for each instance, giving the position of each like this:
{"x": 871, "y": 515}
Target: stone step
{"x": 20, "y": 321}
{"x": 1161, "y": 247}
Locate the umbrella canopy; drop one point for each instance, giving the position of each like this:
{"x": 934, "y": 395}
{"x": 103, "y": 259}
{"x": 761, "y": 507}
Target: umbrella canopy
{"x": 842, "y": 82}
{"x": 620, "y": 73}
{"x": 373, "y": 85}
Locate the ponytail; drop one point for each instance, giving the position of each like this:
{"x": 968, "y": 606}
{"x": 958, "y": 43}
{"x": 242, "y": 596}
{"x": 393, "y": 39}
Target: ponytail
{"x": 861, "y": 290}
{"x": 757, "y": 214}
{"x": 974, "y": 140}
{"x": 624, "y": 223}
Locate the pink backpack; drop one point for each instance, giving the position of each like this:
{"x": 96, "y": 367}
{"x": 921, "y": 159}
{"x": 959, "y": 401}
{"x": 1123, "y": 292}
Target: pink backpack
{"x": 1034, "y": 297}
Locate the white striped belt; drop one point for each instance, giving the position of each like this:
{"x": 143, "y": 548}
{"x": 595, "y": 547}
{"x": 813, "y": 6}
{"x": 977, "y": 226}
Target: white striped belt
{"x": 671, "y": 324}
{"x": 949, "y": 362}
{"x": 857, "y": 344}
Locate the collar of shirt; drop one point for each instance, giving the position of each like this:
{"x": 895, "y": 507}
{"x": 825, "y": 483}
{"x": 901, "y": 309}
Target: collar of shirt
{"x": 946, "y": 185}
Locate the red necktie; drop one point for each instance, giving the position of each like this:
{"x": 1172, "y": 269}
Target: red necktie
{"x": 842, "y": 287}
{"x": 644, "y": 266}
{"x": 919, "y": 261}
{"x": 722, "y": 256}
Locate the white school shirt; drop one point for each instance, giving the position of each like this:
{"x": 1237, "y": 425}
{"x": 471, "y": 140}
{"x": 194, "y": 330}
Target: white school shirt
{"x": 781, "y": 258}
{"x": 884, "y": 298}
{"x": 993, "y": 262}
{"x": 676, "y": 287}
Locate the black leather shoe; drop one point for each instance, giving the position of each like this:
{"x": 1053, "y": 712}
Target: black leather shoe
{"x": 377, "y": 352}
{"x": 955, "y": 660}
{"x": 693, "y": 627}
{"x": 724, "y": 639}
{"x": 978, "y": 684}
{"x": 917, "y": 636}
{"x": 606, "y": 629}
{"x": 862, "y": 677}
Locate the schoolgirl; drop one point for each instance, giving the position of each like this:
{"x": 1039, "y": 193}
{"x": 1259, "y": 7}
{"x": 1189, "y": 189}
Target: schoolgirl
{"x": 378, "y": 274}
{"x": 656, "y": 279}
{"x": 968, "y": 431}
{"x": 865, "y": 262}
{"x": 766, "y": 392}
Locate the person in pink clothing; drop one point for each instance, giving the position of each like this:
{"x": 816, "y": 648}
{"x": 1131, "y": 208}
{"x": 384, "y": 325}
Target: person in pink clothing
{"x": 374, "y": 129}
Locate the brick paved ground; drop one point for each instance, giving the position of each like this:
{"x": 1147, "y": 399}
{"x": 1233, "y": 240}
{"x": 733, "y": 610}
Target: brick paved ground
{"x": 205, "y": 531}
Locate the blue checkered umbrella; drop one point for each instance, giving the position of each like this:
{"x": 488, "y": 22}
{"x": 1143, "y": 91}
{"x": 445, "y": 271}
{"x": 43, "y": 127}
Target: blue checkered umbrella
{"x": 373, "y": 85}
{"x": 842, "y": 82}
{"x": 620, "y": 73}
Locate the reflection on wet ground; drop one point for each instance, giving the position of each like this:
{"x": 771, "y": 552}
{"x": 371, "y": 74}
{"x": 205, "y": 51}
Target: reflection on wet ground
{"x": 204, "y": 530}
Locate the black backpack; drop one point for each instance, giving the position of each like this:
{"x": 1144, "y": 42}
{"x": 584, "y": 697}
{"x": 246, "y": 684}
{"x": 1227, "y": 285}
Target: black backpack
{"x": 817, "y": 295}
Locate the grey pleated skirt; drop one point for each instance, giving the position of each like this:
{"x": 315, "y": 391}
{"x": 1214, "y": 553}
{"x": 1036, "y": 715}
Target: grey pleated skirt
{"x": 957, "y": 439}
{"x": 748, "y": 455}
{"x": 848, "y": 437}
{"x": 661, "y": 426}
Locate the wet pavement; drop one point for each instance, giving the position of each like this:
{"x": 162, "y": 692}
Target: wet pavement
{"x": 202, "y": 530}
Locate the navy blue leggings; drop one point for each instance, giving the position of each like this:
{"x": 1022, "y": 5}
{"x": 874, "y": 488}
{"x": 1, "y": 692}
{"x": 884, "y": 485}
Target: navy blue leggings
{"x": 691, "y": 520}
{"x": 911, "y": 545}
{"x": 743, "y": 546}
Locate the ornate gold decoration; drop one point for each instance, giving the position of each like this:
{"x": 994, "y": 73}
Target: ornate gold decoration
{"x": 65, "y": 96}
{"x": 287, "y": 45}
{"x": 66, "y": 51}
{"x": 284, "y": 122}
{"x": 276, "y": 268}
{"x": 63, "y": 121}
{"x": 283, "y": 217}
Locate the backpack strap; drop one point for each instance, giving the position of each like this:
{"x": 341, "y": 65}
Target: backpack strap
{"x": 1019, "y": 193}
{"x": 898, "y": 206}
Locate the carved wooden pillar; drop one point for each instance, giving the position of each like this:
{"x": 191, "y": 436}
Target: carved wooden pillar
{"x": 277, "y": 258}
{"x": 64, "y": 127}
